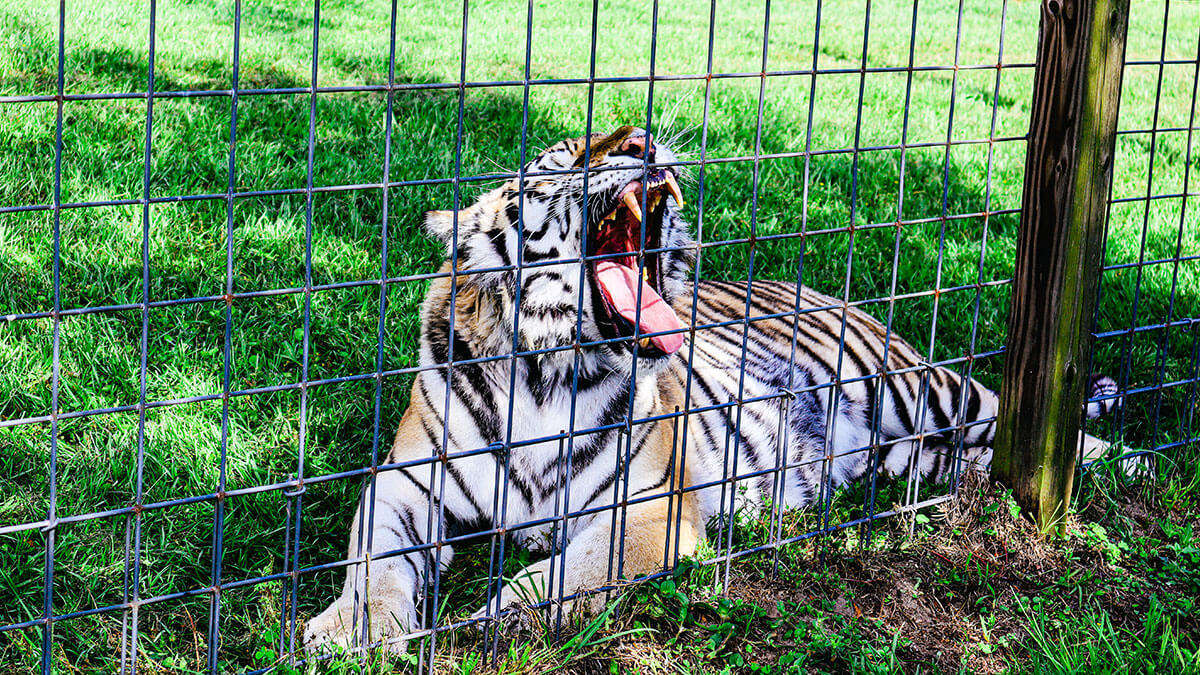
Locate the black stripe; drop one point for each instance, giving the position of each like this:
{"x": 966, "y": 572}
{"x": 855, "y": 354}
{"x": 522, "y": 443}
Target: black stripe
{"x": 512, "y": 212}
{"x": 424, "y": 490}
{"x": 515, "y": 480}
{"x": 436, "y": 331}
{"x": 500, "y": 244}
{"x": 428, "y": 401}
{"x": 903, "y": 404}
{"x": 600, "y": 489}
{"x": 544, "y": 274}
{"x": 409, "y": 523}
{"x": 483, "y": 411}
{"x": 972, "y": 402}
{"x": 402, "y": 537}
{"x": 532, "y": 256}
{"x": 535, "y": 383}
{"x": 670, "y": 467}
{"x": 431, "y": 434}
{"x": 559, "y": 309}
{"x": 951, "y": 382}
{"x": 706, "y": 389}
{"x": 613, "y": 412}
{"x": 466, "y": 490}
{"x": 932, "y": 395}
{"x": 586, "y": 380}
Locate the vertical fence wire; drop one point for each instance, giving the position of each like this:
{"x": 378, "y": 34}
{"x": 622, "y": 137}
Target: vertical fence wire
{"x": 969, "y": 366}
{"x": 133, "y": 588}
{"x": 49, "y": 529}
{"x": 430, "y": 610}
{"x": 559, "y": 536}
{"x": 807, "y": 182}
{"x": 369, "y": 490}
{"x": 699, "y": 234}
{"x": 624, "y": 456}
{"x": 296, "y": 495}
{"x": 1141, "y": 265}
{"x": 496, "y": 574}
{"x": 883, "y": 381}
{"x": 1165, "y": 342}
{"x": 754, "y": 224}
{"x": 227, "y": 348}
{"x": 836, "y": 403}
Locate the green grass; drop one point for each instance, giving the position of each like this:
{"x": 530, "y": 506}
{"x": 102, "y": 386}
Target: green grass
{"x": 103, "y": 145}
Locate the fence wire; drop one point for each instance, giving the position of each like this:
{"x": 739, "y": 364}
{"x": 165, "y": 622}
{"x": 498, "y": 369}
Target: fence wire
{"x": 1147, "y": 318}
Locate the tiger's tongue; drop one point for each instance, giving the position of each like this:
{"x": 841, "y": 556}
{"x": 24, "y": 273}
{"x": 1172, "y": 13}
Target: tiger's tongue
{"x": 619, "y": 284}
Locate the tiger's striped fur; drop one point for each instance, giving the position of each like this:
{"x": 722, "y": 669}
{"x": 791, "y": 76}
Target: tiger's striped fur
{"x": 784, "y": 393}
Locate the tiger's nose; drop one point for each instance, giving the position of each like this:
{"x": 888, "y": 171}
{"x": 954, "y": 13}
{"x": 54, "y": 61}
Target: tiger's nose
{"x": 639, "y": 144}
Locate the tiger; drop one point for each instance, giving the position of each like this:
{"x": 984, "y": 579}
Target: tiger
{"x": 573, "y": 374}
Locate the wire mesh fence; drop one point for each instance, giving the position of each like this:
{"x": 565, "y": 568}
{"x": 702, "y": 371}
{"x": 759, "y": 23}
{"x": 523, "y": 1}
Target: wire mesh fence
{"x": 212, "y": 245}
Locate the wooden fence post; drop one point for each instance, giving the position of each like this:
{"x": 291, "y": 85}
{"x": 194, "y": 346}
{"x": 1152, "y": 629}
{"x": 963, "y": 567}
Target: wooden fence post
{"x": 1068, "y": 171}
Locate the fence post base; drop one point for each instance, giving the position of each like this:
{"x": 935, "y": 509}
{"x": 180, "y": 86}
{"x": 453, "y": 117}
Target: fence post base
{"x": 1060, "y": 247}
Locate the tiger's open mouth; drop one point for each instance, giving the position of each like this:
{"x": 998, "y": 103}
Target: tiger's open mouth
{"x": 629, "y": 294}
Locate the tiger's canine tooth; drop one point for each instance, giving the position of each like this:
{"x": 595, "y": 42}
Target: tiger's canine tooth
{"x": 631, "y": 201}
{"x": 673, "y": 188}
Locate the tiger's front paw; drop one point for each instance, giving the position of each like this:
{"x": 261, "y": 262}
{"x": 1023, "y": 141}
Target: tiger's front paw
{"x": 341, "y": 625}
{"x": 522, "y": 603}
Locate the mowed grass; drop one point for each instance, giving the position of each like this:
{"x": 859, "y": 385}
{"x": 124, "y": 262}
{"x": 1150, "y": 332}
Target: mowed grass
{"x": 943, "y": 264}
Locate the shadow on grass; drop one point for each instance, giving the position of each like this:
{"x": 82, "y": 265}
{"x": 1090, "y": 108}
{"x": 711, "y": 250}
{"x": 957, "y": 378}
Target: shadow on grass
{"x": 97, "y": 466}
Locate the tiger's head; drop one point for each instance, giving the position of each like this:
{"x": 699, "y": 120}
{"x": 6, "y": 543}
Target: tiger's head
{"x": 590, "y": 244}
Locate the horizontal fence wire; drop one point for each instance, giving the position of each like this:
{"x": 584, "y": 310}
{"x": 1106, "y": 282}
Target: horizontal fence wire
{"x": 913, "y": 225}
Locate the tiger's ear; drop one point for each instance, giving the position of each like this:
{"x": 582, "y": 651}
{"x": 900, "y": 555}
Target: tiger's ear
{"x": 440, "y": 224}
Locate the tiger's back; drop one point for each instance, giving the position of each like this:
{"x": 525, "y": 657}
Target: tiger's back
{"x": 784, "y": 378}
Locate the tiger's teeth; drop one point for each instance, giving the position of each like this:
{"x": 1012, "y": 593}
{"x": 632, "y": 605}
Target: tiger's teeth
{"x": 645, "y": 343}
{"x": 673, "y": 188}
{"x": 631, "y": 201}
{"x": 645, "y": 274}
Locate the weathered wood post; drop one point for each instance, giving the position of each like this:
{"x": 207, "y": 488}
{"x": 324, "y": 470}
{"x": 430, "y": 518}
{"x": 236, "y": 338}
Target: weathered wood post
{"x": 1068, "y": 170}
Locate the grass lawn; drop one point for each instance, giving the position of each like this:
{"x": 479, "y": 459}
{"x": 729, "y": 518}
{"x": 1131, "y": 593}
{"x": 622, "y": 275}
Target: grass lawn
{"x": 933, "y": 223}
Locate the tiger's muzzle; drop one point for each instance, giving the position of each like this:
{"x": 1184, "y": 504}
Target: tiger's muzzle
{"x": 626, "y": 267}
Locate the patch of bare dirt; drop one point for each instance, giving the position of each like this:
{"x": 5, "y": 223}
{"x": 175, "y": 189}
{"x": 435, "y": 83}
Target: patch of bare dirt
{"x": 953, "y": 594}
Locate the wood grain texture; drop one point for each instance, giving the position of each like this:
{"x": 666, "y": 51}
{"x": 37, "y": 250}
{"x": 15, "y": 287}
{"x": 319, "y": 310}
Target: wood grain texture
{"x": 1068, "y": 171}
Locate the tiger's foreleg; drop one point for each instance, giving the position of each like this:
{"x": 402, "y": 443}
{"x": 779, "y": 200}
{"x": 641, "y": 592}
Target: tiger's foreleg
{"x": 651, "y": 535}
{"x": 395, "y": 539}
